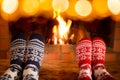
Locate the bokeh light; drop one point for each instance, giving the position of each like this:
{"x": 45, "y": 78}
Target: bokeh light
{"x": 83, "y": 7}
{"x": 30, "y": 7}
{"x": 60, "y": 5}
{"x": 9, "y": 6}
{"x": 114, "y": 6}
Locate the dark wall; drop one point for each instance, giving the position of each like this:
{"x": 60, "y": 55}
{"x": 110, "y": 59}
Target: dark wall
{"x": 103, "y": 28}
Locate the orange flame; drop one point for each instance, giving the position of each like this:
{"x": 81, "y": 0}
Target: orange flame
{"x": 61, "y": 30}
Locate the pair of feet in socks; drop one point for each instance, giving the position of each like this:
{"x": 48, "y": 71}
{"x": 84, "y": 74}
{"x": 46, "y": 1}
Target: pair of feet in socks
{"x": 25, "y": 58}
{"x": 91, "y": 58}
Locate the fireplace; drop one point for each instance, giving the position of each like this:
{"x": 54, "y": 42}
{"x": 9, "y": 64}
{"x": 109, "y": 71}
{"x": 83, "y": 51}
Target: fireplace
{"x": 78, "y": 29}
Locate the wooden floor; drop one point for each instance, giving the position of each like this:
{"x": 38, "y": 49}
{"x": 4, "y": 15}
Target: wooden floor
{"x": 63, "y": 70}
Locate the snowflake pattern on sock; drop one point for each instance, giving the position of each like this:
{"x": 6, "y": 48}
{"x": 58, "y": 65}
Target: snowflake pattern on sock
{"x": 98, "y": 60}
{"x": 35, "y": 50}
{"x": 83, "y": 52}
{"x": 17, "y": 50}
{"x": 34, "y": 56}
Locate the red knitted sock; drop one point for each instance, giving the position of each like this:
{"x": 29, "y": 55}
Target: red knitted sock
{"x": 83, "y": 52}
{"x": 98, "y": 59}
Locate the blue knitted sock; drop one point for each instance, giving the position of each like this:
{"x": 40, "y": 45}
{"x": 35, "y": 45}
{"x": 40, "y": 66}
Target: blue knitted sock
{"x": 17, "y": 50}
{"x": 34, "y": 55}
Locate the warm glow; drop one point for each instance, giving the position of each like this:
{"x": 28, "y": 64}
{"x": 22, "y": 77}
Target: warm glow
{"x": 45, "y": 8}
{"x": 83, "y": 7}
{"x": 61, "y": 31}
{"x": 71, "y": 10}
{"x": 9, "y": 6}
{"x": 45, "y": 5}
{"x": 30, "y": 7}
{"x": 114, "y": 6}
{"x": 72, "y": 36}
{"x": 60, "y": 5}
{"x": 116, "y": 18}
{"x": 100, "y": 8}
{"x": 84, "y": 10}
{"x": 9, "y": 17}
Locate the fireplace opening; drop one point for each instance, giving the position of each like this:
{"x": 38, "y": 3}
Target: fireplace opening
{"x": 78, "y": 29}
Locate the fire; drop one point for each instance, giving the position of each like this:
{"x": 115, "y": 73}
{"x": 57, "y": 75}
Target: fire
{"x": 61, "y": 30}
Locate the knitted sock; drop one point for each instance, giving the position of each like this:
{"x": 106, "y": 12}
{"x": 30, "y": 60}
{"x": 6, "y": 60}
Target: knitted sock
{"x": 17, "y": 48}
{"x": 83, "y": 51}
{"x": 34, "y": 55}
{"x": 98, "y": 59}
